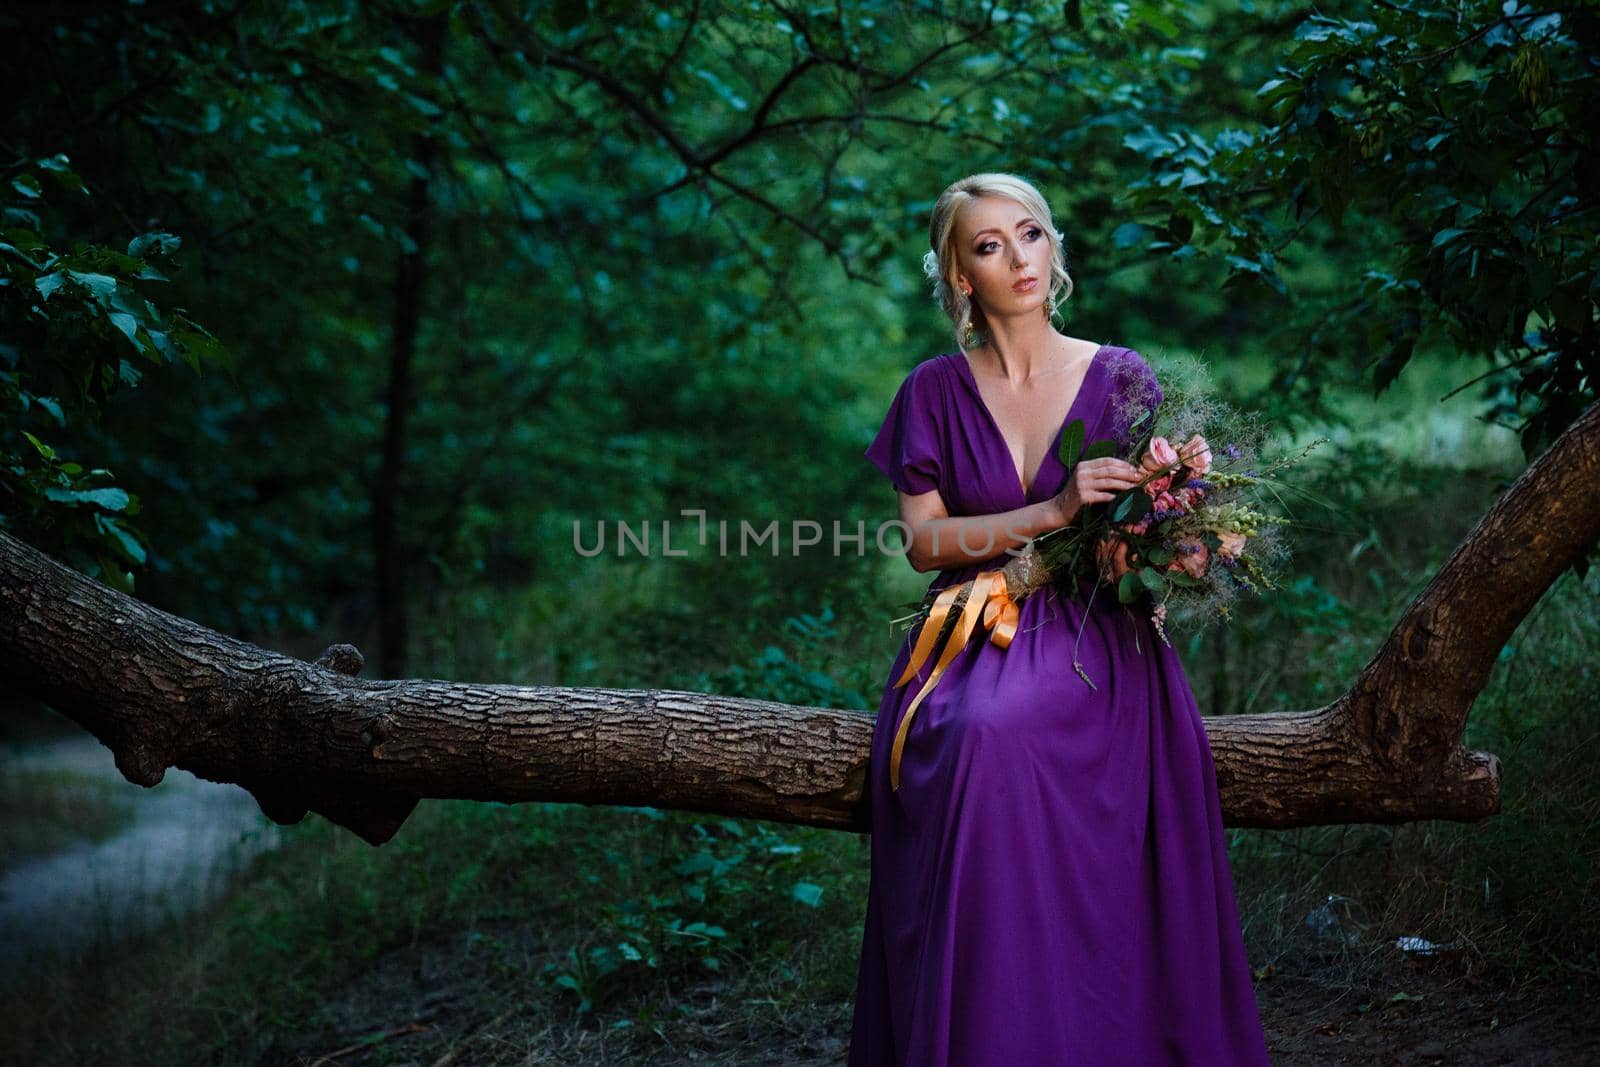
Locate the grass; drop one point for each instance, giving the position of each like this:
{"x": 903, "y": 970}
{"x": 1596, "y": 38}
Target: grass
{"x": 618, "y": 923}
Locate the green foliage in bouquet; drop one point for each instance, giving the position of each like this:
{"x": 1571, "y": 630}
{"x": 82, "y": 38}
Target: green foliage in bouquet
{"x": 1196, "y": 530}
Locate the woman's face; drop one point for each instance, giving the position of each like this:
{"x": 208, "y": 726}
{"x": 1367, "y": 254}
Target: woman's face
{"x": 999, "y": 245}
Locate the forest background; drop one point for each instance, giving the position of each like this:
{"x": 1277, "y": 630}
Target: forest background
{"x": 328, "y": 321}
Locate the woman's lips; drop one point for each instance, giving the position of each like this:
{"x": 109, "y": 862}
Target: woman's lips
{"x": 1023, "y": 287}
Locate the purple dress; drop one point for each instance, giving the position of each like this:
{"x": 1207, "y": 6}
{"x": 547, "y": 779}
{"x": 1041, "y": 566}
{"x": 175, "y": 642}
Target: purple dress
{"x": 1050, "y": 884}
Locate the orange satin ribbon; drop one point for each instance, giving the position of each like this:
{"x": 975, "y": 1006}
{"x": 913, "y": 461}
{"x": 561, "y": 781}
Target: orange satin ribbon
{"x": 986, "y": 593}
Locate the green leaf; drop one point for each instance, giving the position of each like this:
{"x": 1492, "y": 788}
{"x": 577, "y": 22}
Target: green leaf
{"x": 1152, "y": 579}
{"x": 1071, "y": 443}
{"x": 110, "y": 499}
{"x": 1157, "y": 19}
{"x": 1129, "y": 588}
{"x": 424, "y": 105}
{"x": 1388, "y": 368}
{"x": 27, "y": 185}
{"x": 25, "y": 239}
{"x": 734, "y": 100}
{"x": 698, "y": 929}
{"x": 696, "y": 863}
{"x": 130, "y": 544}
{"x": 1152, "y": 143}
{"x": 56, "y": 167}
{"x": 807, "y": 893}
{"x": 43, "y": 449}
{"x": 103, "y": 286}
{"x": 129, "y": 326}
{"x": 154, "y": 243}
{"x": 199, "y": 345}
{"x": 1130, "y": 505}
{"x": 1130, "y": 235}
{"x": 49, "y": 404}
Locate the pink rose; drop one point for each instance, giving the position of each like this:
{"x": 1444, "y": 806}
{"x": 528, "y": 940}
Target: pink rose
{"x": 1196, "y": 455}
{"x": 1159, "y": 459}
{"x": 1159, "y": 456}
{"x": 1232, "y": 544}
{"x": 1166, "y": 502}
{"x": 1194, "y": 561}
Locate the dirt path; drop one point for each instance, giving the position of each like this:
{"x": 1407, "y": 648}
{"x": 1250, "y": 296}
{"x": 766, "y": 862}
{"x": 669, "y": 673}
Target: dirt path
{"x": 186, "y": 840}
{"x": 1414, "y": 1016}
{"x": 447, "y": 998}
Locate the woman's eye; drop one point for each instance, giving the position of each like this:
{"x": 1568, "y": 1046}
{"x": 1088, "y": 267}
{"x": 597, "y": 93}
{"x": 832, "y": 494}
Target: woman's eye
{"x": 1035, "y": 233}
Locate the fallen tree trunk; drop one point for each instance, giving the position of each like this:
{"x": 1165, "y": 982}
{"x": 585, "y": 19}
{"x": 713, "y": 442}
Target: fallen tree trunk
{"x": 163, "y": 691}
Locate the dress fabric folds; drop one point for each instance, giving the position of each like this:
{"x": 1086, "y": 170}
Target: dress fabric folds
{"x": 1050, "y": 883}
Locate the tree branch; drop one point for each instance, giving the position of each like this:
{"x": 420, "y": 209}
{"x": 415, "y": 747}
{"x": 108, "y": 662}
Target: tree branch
{"x": 163, "y": 691}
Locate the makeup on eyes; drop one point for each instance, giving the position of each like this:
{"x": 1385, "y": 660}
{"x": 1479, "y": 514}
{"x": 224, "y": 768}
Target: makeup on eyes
{"x": 1034, "y": 233}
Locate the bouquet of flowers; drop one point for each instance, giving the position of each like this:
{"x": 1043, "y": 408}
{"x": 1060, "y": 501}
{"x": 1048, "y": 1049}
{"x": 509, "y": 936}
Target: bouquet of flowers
{"x": 1192, "y": 534}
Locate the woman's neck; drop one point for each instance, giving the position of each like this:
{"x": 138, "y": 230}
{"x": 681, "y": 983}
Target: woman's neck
{"x": 1021, "y": 352}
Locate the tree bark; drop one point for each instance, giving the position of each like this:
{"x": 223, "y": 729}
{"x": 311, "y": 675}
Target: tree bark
{"x": 163, "y": 691}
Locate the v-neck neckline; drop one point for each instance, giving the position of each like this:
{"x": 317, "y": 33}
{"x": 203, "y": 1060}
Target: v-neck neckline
{"x": 1055, "y": 440}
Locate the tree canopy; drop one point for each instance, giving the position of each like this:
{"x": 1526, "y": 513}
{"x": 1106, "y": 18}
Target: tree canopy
{"x": 506, "y": 266}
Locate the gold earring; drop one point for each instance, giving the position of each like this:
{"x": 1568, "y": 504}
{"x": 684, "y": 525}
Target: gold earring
{"x": 972, "y": 334}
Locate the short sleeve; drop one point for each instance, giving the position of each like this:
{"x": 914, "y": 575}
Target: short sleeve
{"x": 906, "y": 449}
{"x": 1135, "y": 392}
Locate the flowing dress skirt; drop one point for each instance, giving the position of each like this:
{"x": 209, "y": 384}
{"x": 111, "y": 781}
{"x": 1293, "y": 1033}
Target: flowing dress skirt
{"x": 1050, "y": 882}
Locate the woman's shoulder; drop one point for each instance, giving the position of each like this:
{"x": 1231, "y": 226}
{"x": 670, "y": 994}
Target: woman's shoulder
{"x": 1128, "y": 371}
{"x": 1125, "y": 359}
{"x": 937, "y": 366}
{"x": 930, "y": 377}
{"x": 1132, "y": 389}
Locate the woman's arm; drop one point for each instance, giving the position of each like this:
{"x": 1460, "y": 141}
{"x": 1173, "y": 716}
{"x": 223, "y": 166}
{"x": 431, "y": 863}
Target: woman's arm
{"x": 939, "y": 541}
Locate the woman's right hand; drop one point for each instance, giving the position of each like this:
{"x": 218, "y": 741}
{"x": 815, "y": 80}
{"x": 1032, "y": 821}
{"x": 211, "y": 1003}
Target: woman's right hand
{"x": 1094, "y": 481}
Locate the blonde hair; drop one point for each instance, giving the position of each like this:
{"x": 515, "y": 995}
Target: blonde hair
{"x": 939, "y": 264}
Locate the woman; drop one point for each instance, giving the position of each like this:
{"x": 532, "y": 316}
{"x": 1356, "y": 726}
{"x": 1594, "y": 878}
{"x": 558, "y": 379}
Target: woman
{"x": 1050, "y": 880}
